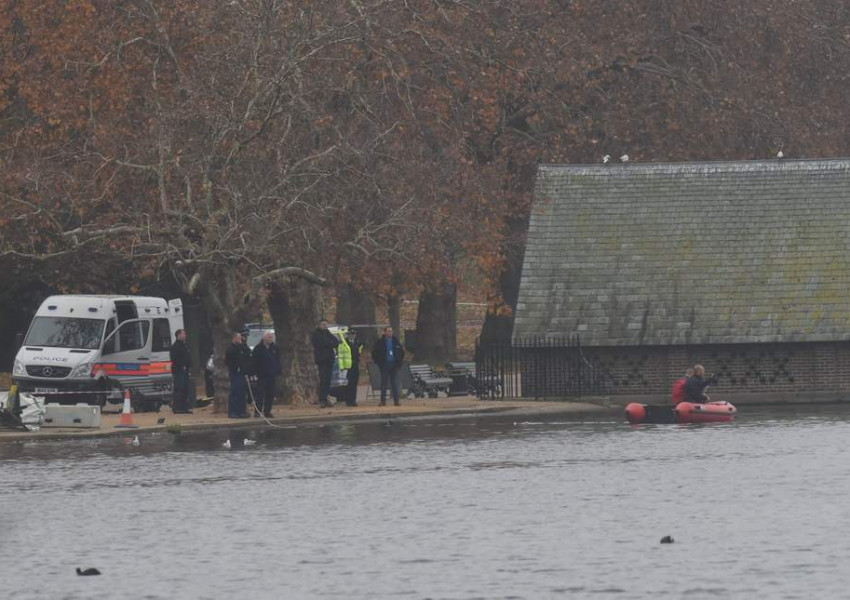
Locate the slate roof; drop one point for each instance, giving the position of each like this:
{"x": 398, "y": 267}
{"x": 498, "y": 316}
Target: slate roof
{"x": 691, "y": 253}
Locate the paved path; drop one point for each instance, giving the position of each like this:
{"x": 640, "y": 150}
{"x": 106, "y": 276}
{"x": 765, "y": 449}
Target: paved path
{"x": 286, "y": 415}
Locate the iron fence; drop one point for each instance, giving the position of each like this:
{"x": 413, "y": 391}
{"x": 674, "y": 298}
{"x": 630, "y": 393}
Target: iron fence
{"x": 536, "y": 367}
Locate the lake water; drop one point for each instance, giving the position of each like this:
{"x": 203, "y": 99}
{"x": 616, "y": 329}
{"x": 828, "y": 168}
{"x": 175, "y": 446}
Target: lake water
{"x": 480, "y": 508}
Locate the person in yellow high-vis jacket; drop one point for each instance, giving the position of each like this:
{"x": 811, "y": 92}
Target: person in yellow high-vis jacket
{"x": 343, "y": 352}
{"x": 355, "y": 346}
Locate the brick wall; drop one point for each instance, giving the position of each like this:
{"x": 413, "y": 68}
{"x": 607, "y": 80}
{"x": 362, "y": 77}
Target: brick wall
{"x": 743, "y": 369}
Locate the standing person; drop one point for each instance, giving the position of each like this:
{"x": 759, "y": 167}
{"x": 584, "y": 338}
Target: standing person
{"x": 388, "y": 354}
{"x": 353, "y": 376}
{"x": 679, "y": 387}
{"x": 239, "y": 364}
{"x": 181, "y": 366}
{"x": 267, "y": 368}
{"x": 695, "y": 387}
{"x": 324, "y": 355}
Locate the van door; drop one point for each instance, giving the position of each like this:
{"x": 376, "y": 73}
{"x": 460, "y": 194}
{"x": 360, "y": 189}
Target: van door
{"x": 160, "y": 356}
{"x": 175, "y": 316}
{"x": 126, "y": 310}
{"x": 127, "y": 352}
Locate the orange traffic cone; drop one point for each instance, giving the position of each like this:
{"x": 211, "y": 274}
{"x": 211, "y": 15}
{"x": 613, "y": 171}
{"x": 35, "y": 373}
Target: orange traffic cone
{"x": 126, "y": 421}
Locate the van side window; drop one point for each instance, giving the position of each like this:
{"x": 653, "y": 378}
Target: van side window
{"x": 161, "y": 341}
{"x": 109, "y": 346}
{"x": 133, "y": 336}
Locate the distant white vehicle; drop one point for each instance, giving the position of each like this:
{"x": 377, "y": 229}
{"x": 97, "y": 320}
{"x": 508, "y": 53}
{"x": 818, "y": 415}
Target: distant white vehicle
{"x": 338, "y": 376}
{"x": 255, "y": 333}
{"x": 92, "y": 348}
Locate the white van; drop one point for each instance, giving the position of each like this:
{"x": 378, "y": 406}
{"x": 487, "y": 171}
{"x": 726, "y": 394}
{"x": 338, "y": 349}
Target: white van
{"x": 92, "y": 348}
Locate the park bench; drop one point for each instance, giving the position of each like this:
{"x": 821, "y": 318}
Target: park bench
{"x": 425, "y": 382}
{"x": 467, "y": 381}
{"x": 462, "y": 378}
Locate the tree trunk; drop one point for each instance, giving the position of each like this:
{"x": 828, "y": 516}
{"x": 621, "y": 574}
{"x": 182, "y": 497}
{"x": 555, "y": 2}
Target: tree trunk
{"x": 499, "y": 325}
{"x": 436, "y": 324}
{"x": 294, "y": 307}
{"x": 394, "y": 312}
{"x": 354, "y": 306}
{"x": 228, "y": 307}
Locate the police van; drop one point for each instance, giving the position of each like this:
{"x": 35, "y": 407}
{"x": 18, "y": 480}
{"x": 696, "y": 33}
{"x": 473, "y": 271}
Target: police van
{"x": 92, "y": 348}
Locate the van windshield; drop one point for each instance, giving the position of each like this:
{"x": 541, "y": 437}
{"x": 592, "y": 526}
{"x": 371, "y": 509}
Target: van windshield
{"x": 65, "y": 332}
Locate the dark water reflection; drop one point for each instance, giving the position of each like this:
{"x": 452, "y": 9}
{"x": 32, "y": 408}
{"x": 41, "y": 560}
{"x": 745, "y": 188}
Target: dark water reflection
{"x": 483, "y": 508}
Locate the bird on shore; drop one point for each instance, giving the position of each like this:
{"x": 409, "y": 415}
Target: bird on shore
{"x": 226, "y": 445}
{"x": 780, "y": 154}
{"x": 624, "y": 158}
{"x": 135, "y": 441}
{"x": 87, "y": 572}
{"x": 667, "y": 540}
{"x": 606, "y": 158}
{"x": 248, "y": 442}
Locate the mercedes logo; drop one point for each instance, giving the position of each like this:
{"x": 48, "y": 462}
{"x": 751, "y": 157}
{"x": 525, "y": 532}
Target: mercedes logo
{"x": 47, "y": 371}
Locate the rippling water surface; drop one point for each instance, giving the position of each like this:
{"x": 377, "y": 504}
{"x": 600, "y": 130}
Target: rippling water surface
{"x": 483, "y": 508}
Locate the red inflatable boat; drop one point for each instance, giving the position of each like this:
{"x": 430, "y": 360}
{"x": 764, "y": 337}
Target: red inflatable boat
{"x": 684, "y": 412}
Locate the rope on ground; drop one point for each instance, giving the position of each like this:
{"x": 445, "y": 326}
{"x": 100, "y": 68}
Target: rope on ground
{"x": 261, "y": 415}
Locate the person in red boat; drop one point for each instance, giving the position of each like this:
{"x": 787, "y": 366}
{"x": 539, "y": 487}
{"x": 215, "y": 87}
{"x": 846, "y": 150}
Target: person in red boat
{"x": 695, "y": 386}
{"x": 679, "y": 387}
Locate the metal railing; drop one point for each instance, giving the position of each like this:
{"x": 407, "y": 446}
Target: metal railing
{"x": 536, "y": 367}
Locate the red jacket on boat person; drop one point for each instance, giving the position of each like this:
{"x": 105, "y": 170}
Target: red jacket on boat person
{"x": 679, "y": 387}
{"x": 679, "y": 390}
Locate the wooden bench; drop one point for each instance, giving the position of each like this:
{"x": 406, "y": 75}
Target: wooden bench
{"x": 425, "y": 382}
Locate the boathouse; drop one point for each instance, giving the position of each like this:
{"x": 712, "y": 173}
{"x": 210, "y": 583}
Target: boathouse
{"x": 741, "y": 266}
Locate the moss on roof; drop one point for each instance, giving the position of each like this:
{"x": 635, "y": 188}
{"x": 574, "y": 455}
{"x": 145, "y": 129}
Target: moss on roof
{"x": 725, "y": 252}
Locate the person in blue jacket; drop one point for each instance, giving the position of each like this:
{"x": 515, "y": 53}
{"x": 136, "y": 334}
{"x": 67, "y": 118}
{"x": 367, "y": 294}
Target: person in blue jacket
{"x": 388, "y": 354}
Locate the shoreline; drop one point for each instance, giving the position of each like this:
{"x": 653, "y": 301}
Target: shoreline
{"x": 287, "y": 415}
{"x": 367, "y": 411}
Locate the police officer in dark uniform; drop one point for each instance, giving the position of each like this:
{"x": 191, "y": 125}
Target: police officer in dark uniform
{"x": 324, "y": 355}
{"x": 240, "y": 365}
{"x": 181, "y": 365}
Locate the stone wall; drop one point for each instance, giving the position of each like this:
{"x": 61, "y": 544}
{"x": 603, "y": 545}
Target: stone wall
{"x": 756, "y": 372}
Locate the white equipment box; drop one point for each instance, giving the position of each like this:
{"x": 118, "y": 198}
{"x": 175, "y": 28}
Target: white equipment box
{"x": 79, "y": 415}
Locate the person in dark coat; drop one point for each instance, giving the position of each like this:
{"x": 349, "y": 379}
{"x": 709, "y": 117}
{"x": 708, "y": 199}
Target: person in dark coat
{"x": 353, "y": 376}
{"x": 266, "y": 368}
{"x": 388, "y": 354}
{"x": 240, "y": 365}
{"x": 695, "y": 386}
{"x": 324, "y": 355}
{"x": 181, "y": 366}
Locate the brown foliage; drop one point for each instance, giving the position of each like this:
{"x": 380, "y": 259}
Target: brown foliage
{"x": 389, "y": 145}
